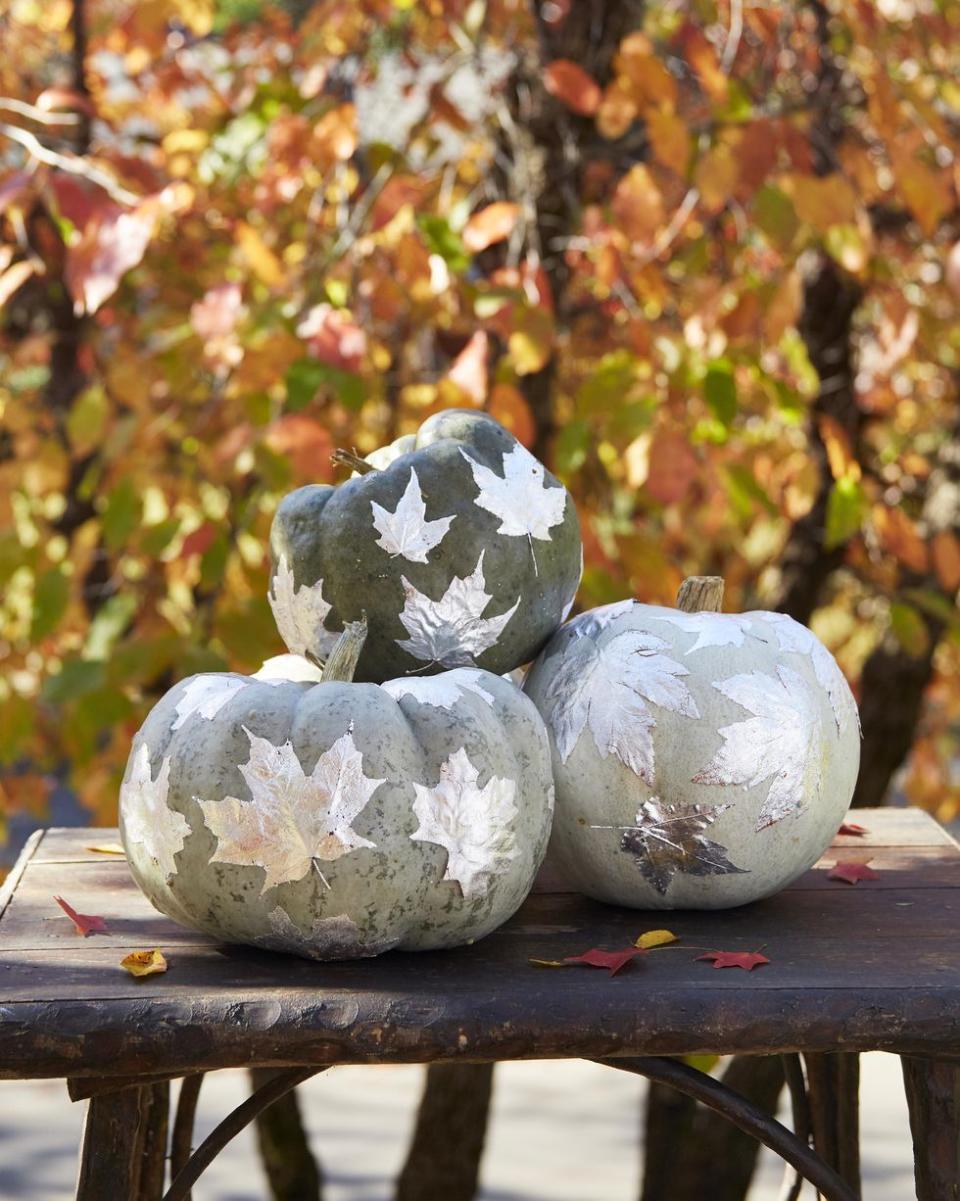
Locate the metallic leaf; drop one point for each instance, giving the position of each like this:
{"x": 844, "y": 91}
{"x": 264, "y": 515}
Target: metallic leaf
{"x": 147, "y": 818}
{"x": 672, "y": 838}
{"x": 442, "y": 691}
{"x": 206, "y": 695}
{"x": 473, "y": 824}
{"x": 336, "y": 937}
{"x": 406, "y": 531}
{"x": 793, "y": 637}
{"x": 527, "y": 508}
{"x": 300, "y": 613}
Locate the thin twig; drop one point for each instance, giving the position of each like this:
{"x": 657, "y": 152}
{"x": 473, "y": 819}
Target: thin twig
{"x": 671, "y": 232}
{"x": 32, "y": 113}
{"x": 69, "y": 162}
{"x": 734, "y": 34}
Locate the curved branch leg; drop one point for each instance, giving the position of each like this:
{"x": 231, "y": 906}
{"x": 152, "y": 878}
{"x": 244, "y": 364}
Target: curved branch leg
{"x": 742, "y": 1113}
{"x": 833, "y": 1088}
{"x": 933, "y": 1097}
{"x": 231, "y": 1126}
{"x": 800, "y": 1113}
{"x": 181, "y": 1143}
{"x": 292, "y": 1171}
{"x": 155, "y": 1117}
{"x": 443, "y": 1162}
{"x": 112, "y": 1146}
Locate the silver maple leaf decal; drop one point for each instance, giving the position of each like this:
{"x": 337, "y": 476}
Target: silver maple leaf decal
{"x": 406, "y": 531}
{"x": 147, "y": 818}
{"x": 472, "y": 824}
{"x": 793, "y": 637}
{"x": 780, "y": 743}
{"x": 293, "y": 821}
{"x": 711, "y": 629}
{"x": 527, "y": 508}
{"x": 206, "y": 695}
{"x": 336, "y": 937}
{"x": 670, "y": 838}
{"x": 451, "y": 631}
{"x": 614, "y": 690}
{"x": 300, "y": 613}
{"x": 443, "y": 691}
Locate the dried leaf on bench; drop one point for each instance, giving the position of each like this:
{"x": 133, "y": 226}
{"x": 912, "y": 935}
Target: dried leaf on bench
{"x": 612, "y": 961}
{"x": 748, "y": 960}
{"x": 84, "y": 923}
{"x": 107, "y": 848}
{"x": 655, "y": 938}
{"x": 144, "y": 963}
{"x": 853, "y": 830}
{"x": 850, "y": 873}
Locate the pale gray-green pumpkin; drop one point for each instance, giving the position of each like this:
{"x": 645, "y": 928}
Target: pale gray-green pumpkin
{"x": 455, "y": 543}
{"x": 336, "y": 820}
{"x": 701, "y": 760}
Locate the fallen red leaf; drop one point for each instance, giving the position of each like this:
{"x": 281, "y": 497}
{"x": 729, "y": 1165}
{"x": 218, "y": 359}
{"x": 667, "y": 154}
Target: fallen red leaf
{"x": 748, "y": 960}
{"x": 85, "y": 923}
{"x": 850, "y": 873}
{"x": 612, "y": 961}
{"x": 853, "y": 829}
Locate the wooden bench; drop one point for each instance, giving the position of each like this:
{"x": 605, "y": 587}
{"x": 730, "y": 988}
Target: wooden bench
{"x": 875, "y": 966}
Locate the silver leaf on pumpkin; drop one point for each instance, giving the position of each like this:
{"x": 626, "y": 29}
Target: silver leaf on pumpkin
{"x": 472, "y": 824}
{"x": 147, "y": 818}
{"x": 527, "y": 508}
{"x": 711, "y": 629}
{"x": 672, "y": 838}
{"x": 781, "y": 742}
{"x": 293, "y": 821}
{"x": 594, "y": 621}
{"x": 615, "y": 689}
{"x": 793, "y": 637}
{"x": 206, "y": 695}
{"x": 406, "y": 531}
{"x": 451, "y": 631}
{"x": 337, "y": 937}
{"x": 442, "y": 691}
{"x": 300, "y": 613}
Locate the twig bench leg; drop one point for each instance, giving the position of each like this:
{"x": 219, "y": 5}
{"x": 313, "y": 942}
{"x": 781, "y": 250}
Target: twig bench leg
{"x": 933, "y": 1097}
{"x": 833, "y": 1090}
{"x": 124, "y": 1145}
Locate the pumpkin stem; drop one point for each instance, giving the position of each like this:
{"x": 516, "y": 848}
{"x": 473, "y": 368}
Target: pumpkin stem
{"x": 701, "y": 594}
{"x": 347, "y": 458}
{"x": 342, "y": 662}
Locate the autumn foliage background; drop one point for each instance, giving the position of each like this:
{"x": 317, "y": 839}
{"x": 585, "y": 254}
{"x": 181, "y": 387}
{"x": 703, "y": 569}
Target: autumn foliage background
{"x": 697, "y": 256}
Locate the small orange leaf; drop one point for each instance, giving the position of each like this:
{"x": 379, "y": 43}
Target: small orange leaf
{"x": 945, "y": 551}
{"x": 747, "y": 960}
{"x": 900, "y": 537}
{"x": 853, "y": 830}
{"x": 144, "y": 963}
{"x": 469, "y": 368}
{"x": 490, "y": 225}
{"x": 84, "y": 923}
{"x": 572, "y": 86}
{"x": 703, "y": 58}
{"x": 655, "y": 938}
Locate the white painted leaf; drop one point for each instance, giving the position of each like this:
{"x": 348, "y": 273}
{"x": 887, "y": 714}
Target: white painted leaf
{"x": 206, "y": 696}
{"x": 711, "y": 629}
{"x": 793, "y": 637}
{"x": 406, "y": 530}
{"x": 292, "y": 820}
{"x": 780, "y": 743}
{"x": 300, "y": 613}
{"x": 336, "y": 937}
{"x": 473, "y": 824}
{"x": 452, "y": 630}
{"x": 615, "y": 689}
{"x": 520, "y": 498}
{"x": 442, "y": 691}
{"x": 672, "y": 838}
{"x": 147, "y": 818}
{"x": 284, "y": 669}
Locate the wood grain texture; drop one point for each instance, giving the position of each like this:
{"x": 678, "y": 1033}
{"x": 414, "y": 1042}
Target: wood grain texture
{"x": 872, "y": 966}
{"x": 933, "y": 1097}
{"x": 833, "y": 1088}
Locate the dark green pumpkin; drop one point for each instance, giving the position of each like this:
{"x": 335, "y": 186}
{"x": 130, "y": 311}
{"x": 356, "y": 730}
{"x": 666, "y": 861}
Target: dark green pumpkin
{"x": 456, "y": 543}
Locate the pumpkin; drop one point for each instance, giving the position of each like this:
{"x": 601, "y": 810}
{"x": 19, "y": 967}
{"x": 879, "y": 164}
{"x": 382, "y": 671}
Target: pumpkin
{"x": 336, "y": 820}
{"x": 701, "y": 760}
{"x": 456, "y": 544}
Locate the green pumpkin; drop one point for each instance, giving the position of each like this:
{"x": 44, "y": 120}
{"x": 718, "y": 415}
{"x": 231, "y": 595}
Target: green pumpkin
{"x": 336, "y": 820}
{"x": 456, "y": 544}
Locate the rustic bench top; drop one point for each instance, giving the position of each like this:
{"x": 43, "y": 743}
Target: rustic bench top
{"x": 870, "y": 966}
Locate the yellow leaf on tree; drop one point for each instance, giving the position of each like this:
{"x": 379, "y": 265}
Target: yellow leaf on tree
{"x": 655, "y": 938}
{"x": 617, "y": 111}
{"x": 927, "y": 192}
{"x": 839, "y": 450}
{"x": 945, "y": 551}
{"x": 649, "y": 79}
{"x": 638, "y": 205}
{"x": 263, "y": 262}
{"x": 144, "y": 963}
{"x": 197, "y": 15}
{"x": 669, "y": 139}
{"x": 822, "y": 201}
{"x": 900, "y": 537}
{"x": 531, "y": 345}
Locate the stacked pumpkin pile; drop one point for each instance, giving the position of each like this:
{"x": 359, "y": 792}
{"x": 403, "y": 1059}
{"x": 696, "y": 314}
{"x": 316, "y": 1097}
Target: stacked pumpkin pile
{"x": 387, "y": 785}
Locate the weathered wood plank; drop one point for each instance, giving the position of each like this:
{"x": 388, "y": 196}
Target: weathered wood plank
{"x": 16, "y": 873}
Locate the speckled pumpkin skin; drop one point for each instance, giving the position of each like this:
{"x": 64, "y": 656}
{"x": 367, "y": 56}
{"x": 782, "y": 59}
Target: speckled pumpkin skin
{"x": 390, "y": 895}
{"x": 715, "y": 845}
{"x": 327, "y": 534}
